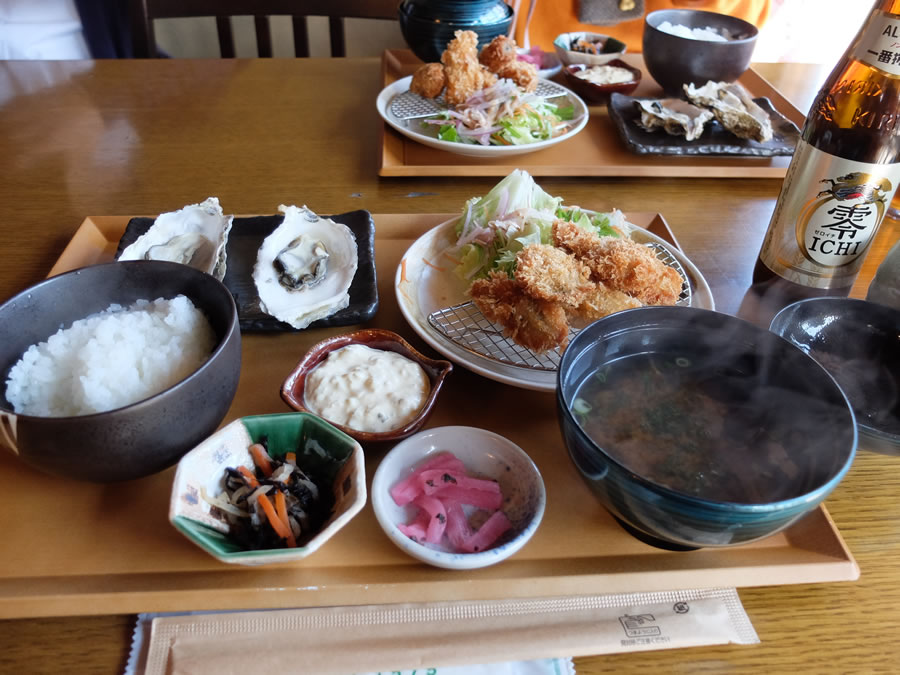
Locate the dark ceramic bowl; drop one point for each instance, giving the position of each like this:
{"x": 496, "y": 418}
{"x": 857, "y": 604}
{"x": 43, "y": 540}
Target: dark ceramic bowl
{"x": 293, "y": 389}
{"x": 674, "y": 61}
{"x": 600, "y": 93}
{"x": 858, "y": 342}
{"x": 139, "y": 439}
{"x": 696, "y": 428}
{"x": 429, "y": 25}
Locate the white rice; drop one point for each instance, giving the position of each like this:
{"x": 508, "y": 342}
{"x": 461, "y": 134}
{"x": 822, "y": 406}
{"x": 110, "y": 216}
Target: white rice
{"x": 709, "y": 34}
{"x": 111, "y": 359}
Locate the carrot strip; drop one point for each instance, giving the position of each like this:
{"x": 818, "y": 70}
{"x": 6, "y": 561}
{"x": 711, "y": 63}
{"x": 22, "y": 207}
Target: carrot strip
{"x": 403, "y": 270}
{"x": 280, "y": 528}
{"x": 249, "y": 477}
{"x": 261, "y": 458}
{"x": 439, "y": 269}
{"x": 281, "y": 510}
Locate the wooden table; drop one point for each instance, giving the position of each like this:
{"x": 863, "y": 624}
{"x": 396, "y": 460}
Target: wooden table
{"x": 139, "y": 137}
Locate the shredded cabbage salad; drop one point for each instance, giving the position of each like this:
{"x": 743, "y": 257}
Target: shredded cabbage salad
{"x": 502, "y": 114}
{"x": 515, "y": 213}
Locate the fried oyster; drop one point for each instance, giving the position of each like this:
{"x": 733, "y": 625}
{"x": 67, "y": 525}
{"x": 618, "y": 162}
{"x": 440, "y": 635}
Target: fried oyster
{"x": 580, "y": 277}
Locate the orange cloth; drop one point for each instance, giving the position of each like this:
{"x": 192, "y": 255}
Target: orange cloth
{"x": 552, "y": 17}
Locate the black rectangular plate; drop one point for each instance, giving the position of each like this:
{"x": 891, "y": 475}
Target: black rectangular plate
{"x": 715, "y": 140}
{"x": 244, "y": 240}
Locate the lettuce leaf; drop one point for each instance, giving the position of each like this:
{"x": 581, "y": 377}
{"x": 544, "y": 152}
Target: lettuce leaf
{"x": 515, "y": 213}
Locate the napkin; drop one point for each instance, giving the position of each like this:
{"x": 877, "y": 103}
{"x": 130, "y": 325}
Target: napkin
{"x": 535, "y": 633}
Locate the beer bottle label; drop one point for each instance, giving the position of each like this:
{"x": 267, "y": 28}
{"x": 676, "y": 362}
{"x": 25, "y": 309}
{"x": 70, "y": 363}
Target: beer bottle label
{"x": 879, "y": 44}
{"x": 826, "y": 217}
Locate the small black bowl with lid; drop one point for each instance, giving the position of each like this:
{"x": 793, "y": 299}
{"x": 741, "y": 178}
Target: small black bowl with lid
{"x": 429, "y": 25}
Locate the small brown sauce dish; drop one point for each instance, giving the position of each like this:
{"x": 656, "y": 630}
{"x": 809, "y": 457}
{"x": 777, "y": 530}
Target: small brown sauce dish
{"x": 600, "y": 93}
{"x": 293, "y": 391}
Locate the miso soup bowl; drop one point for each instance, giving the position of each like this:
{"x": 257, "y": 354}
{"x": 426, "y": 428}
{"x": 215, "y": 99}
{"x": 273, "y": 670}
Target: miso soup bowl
{"x": 676, "y": 483}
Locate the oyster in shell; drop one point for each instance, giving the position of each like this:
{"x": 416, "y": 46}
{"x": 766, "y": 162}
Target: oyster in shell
{"x": 677, "y": 117}
{"x": 304, "y": 268}
{"x": 734, "y": 108}
{"x": 195, "y": 235}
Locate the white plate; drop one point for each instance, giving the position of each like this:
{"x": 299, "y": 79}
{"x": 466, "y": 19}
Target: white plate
{"x": 408, "y": 128}
{"x": 425, "y": 282}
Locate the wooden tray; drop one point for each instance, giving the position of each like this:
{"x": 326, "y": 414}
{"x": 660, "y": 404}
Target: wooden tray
{"x": 596, "y": 151}
{"x": 76, "y": 548}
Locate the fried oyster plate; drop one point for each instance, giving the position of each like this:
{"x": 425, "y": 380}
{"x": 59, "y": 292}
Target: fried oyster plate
{"x": 734, "y": 109}
{"x": 675, "y": 116}
{"x": 194, "y": 235}
{"x": 304, "y": 268}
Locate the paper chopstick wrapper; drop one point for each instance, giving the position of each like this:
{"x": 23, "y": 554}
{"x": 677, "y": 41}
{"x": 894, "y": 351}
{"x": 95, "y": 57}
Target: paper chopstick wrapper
{"x": 344, "y": 640}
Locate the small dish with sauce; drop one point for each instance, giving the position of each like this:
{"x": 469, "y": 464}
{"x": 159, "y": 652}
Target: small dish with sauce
{"x": 596, "y": 84}
{"x": 371, "y": 384}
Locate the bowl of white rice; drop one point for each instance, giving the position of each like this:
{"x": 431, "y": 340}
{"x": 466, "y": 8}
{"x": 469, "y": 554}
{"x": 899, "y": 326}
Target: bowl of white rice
{"x": 113, "y": 372}
{"x": 688, "y": 45}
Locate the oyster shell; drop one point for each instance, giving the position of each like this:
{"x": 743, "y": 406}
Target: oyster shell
{"x": 734, "y": 108}
{"x": 194, "y": 235}
{"x": 677, "y": 117}
{"x": 304, "y": 268}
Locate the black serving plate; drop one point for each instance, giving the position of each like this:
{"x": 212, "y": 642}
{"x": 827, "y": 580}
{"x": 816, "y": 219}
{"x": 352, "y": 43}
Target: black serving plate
{"x": 715, "y": 140}
{"x": 244, "y": 240}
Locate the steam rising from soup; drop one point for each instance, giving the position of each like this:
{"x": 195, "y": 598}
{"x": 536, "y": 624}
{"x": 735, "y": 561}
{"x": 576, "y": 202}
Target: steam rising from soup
{"x": 713, "y": 430}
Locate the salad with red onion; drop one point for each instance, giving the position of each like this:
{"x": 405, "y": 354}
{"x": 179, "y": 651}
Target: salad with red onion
{"x": 502, "y": 114}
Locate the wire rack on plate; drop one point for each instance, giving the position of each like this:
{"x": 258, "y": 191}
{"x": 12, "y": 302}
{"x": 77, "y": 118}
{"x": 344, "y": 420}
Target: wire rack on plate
{"x": 407, "y": 105}
{"x": 467, "y": 327}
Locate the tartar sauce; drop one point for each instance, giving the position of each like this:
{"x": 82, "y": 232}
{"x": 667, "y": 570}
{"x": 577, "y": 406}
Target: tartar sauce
{"x": 605, "y": 74}
{"x": 366, "y": 389}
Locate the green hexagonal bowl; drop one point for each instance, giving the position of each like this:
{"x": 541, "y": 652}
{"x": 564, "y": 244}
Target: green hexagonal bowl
{"x": 321, "y": 450}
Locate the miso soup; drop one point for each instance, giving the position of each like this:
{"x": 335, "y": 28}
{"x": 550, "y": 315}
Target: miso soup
{"x": 711, "y": 430}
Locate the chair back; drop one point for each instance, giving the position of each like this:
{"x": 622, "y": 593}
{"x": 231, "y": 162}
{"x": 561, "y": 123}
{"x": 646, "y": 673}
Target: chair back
{"x": 145, "y": 11}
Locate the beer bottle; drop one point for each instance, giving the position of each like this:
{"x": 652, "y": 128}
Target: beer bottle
{"x": 843, "y": 174}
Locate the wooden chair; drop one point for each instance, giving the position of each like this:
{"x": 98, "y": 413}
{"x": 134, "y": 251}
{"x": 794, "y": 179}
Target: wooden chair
{"x": 145, "y": 11}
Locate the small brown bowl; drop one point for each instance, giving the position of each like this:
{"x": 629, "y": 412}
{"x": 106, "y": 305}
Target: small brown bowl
{"x": 292, "y": 391}
{"x": 600, "y": 93}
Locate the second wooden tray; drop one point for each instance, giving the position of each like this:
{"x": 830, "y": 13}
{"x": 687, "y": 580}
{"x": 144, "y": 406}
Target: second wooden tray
{"x": 596, "y": 151}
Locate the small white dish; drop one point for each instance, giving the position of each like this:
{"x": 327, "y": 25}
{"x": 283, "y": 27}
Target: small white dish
{"x": 550, "y": 63}
{"x": 408, "y": 127}
{"x": 563, "y": 46}
{"x": 485, "y": 455}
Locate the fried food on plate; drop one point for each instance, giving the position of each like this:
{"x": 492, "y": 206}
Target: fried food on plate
{"x": 465, "y": 75}
{"x": 523, "y": 74}
{"x": 539, "y": 325}
{"x": 622, "y": 264}
{"x": 549, "y": 273}
{"x": 602, "y": 301}
{"x": 428, "y": 80}
{"x": 498, "y": 53}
